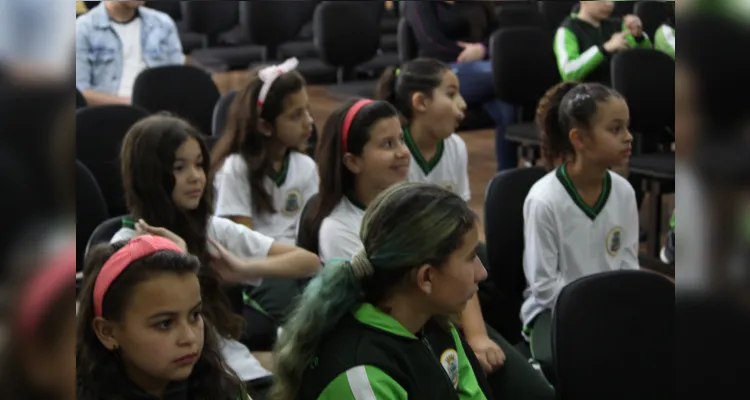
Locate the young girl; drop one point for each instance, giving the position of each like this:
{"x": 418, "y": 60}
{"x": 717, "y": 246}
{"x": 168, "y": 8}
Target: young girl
{"x": 361, "y": 153}
{"x": 141, "y": 332}
{"x": 262, "y": 180}
{"x": 426, "y": 93}
{"x": 169, "y": 193}
{"x": 358, "y": 328}
{"x": 580, "y": 218}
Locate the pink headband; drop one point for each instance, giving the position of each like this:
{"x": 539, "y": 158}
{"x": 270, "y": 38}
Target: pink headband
{"x": 135, "y": 249}
{"x": 350, "y": 115}
{"x": 44, "y": 289}
{"x": 268, "y": 76}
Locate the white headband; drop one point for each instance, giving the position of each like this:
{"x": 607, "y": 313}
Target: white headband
{"x": 269, "y": 74}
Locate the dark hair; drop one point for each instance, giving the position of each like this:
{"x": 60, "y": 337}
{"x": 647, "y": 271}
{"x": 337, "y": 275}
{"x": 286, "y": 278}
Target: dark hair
{"x": 148, "y": 154}
{"x": 242, "y": 136}
{"x": 565, "y": 106}
{"x": 397, "y": 85}
{"x": 393, "y": 237}
{"x": 98, "y": 369}
{"x": 336, "y": 180}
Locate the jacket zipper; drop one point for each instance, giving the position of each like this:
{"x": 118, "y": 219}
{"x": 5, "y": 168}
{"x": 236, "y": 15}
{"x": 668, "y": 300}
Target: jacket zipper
{"x": 435, "y": 357}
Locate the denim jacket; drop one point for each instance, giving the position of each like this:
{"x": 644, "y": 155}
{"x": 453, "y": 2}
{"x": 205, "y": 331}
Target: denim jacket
{"x": 99, "y": 56}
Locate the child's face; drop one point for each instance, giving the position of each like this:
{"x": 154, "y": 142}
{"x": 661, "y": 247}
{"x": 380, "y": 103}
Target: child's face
{"x": 609, "y": 142}
{"x": 294, "y": 125}
{"x": 598, "y": 9}
{"x": 385, "y": 158}
{"x": 444, "y": 110}
{"x": 160, "y": 336}
{"x": 189, "y": 175}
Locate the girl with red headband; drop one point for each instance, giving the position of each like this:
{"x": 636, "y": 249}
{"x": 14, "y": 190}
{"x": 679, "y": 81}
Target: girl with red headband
{"x": 169, "y": 193}
{"x": 141, "y": 331}
{"x": 361, "y": 153}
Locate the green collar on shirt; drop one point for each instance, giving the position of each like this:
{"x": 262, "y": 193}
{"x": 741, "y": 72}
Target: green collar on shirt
{"x": 355, "y": 201}
{"x": 591, "y": 212}
{"x": 370, "y": 315}
{"x": 280, "y": 177}
{"x": 426, "y": 166}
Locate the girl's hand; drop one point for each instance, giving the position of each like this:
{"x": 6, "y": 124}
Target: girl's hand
{"x": 472, "y": 52}
{"x": 142, "y": 228}
{"x": 489, "y": 354}
{"x": 230, "y": 267}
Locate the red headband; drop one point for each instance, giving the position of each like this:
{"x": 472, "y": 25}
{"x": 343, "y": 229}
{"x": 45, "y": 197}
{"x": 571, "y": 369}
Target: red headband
{"x": 44, "y": 288}
{"x": 135, "y": 249}
{"x": 353, "y": 110}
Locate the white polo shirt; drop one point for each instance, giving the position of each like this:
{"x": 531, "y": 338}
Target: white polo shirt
{"x": 449, "y": 167}
{"x": 339, "y": 233}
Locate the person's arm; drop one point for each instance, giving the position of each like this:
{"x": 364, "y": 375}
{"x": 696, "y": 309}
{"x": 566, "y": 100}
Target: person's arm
{"x": 424, "y": 21}
{"x": 84, "y": 69}
{"x": 464, "y": 187}
{"x": 173, "y": 43}
{"x": 234, "y": 200}
{"x": 664, "y": 40}
{"x": 337, "y": 241}
{"x": 363, "y": 382}
{"x": 632, "y": 230}
{"x": 285, "y": 261}
{"x": 573, "y": 64}
{"x": 540, "y": 253}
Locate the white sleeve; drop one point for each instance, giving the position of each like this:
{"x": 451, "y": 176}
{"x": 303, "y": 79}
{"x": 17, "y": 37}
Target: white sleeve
{"x": 240, "y": 240}
{"x": 631, "y": 245}
{"x": 335, "y": 240}
{"x": 123, "y": 234}
{"x": 540, "y": 255}
{"x": 464, "y": 188}
{"x": 233, "y": 195}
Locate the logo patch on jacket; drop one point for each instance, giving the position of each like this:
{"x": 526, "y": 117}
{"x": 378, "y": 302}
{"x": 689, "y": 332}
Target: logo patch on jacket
{"x": 449, "y": 360}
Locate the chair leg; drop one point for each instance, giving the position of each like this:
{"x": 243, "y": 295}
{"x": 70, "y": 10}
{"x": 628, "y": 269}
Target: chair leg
{"x": 654, "y": 216}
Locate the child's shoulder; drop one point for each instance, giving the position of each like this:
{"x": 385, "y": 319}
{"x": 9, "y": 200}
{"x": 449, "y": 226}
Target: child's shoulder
{"x": 620, "y": 185}
{"x": 301, "y": 159}
{"x": 456, "y": 143}
{"x": 234, "y": 163}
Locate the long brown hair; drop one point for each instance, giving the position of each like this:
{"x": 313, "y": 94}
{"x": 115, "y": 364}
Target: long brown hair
{"x": 336, "y": 180}
{"x": 148, "y": 154}
{"x": 243, "y": 137}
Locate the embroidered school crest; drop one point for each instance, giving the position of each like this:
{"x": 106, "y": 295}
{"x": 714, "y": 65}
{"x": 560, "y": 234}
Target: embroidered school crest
{"x": 449, "y": 360}
{"x": 292, "y": 202}
{"x": 614, "y": 241}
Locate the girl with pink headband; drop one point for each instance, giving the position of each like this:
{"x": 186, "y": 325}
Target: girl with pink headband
{"x": 361, "y": 153}
{"x": 141, "y": 331}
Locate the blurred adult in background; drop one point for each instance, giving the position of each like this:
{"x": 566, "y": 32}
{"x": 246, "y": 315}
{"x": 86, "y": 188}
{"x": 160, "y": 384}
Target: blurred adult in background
{"x": 458, "y": 33}
{"x": 115, "y": 41}
{"x": 665, "y": 36}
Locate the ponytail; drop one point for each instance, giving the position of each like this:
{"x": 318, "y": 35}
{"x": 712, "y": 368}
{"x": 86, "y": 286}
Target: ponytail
{"x": 326, "y": 300}
{"x": 386, "y": 87}
{"x": 555, "y": 142}
{"x": 397, "y": 85}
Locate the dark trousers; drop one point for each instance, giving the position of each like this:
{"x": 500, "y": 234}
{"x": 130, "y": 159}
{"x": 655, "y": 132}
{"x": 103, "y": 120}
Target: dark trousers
{"x": 265, "y": 309}
{"x": 540, "y": 341}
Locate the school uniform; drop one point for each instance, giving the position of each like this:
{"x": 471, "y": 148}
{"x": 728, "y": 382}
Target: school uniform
{"x": 566, "y": 239}
{"x": 289, "y": 190}
{"x": 664, "y": 39}
{"x": 127, "y": 390}
{"x": 371, "y": 355}
{"x": 447, "y": 168}
{"x": 338, "y": 236}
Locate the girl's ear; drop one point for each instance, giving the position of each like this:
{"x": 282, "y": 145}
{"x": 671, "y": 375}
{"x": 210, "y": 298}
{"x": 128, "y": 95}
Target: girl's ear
{"x": 353, "y": 162}
{"x": 265, "y": 128}
{"x": 419, "y": 102}
{"x": 106, "y": 332}
{"x": 423, "y": 277}
{"x": 577, "y": 138}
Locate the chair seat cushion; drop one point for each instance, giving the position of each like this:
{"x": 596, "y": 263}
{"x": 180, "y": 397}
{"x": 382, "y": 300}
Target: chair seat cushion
{"x": 314, "y": 70}
{"x": 191, "y": 41}
{"x": 354, "y": 89}
{"x": 654, "y": 165}
{"x": 234, "y": 57}
{"x": 380, "y": 62}
{"x": 389, "y": 43}
{"x": 525, "y": 133}
{"x": 299, "y": 49}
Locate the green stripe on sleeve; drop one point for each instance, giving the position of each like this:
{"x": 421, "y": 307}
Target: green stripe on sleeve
{"x": 574, "y": 65}
{"x": 468, "y": 386}
{"x": 363, "y": 382}
{"x": 664, "y": 40}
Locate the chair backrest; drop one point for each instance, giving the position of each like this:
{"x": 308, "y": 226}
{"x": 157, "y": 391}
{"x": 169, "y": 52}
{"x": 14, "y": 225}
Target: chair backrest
{"x": 555, "y": 12}
{"x": 105, "y": 231}
{"x": 652, "y": 15}
{"x": 336, "y": 23}
{"x": 272, "y": 23}
{"x": 524, "y": 66}
{"x": 645, "y": 77}
{"x": 182, "y": 90}
{"x": 503, "y": 227}
{"x": 613, "y": 337}
{"x": 513, "y": 14}
{"x": 303, "y": 239}
{"x": 210, "y": 17}
{"x": 80, "y": 100}
{"x": 91, "y": 210}
{"x": 99, "y": 134}
{"x": 221, "y": 112}
{"x": 169, "y": 7}
{"x": 623, "y": 8}
{"x": 408, "y": 48}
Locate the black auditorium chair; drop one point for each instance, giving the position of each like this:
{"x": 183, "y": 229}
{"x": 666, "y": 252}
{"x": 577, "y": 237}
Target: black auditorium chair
{"x": 523, "y": 69}
{"x": 99, "y": 134}
{"x": 303, "y": 239}
{"x": 221, "y": 112}
{"x": 91, "y": 210}
{"x": 512, "y": 14}
{"x": 503, "y": 226}
{"x": 80, "y": 100}
{"x": 613, "y": 337}
{"x": 645, "y": 78}
{"x": 652, "y": 14}
{"x": 229, "y": 45}
{"x": 182, "y": 90}
{"x": 554, "y": 12}
{"x": 335, "y": 23}
{"x": 408, "y": 48}
{"x": 105, "y": 231}
{"x": 190, "y": 40}
{"x": 623, "y": 8}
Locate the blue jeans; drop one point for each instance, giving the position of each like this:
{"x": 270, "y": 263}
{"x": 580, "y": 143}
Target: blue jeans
{"x": 477, "y": 88}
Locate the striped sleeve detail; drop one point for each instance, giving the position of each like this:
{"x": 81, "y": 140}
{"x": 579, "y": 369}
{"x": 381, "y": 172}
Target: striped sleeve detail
{"x": 363, "y": 382}
{"x": 665, "y": 40}
{"x": 574, "y": 65}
